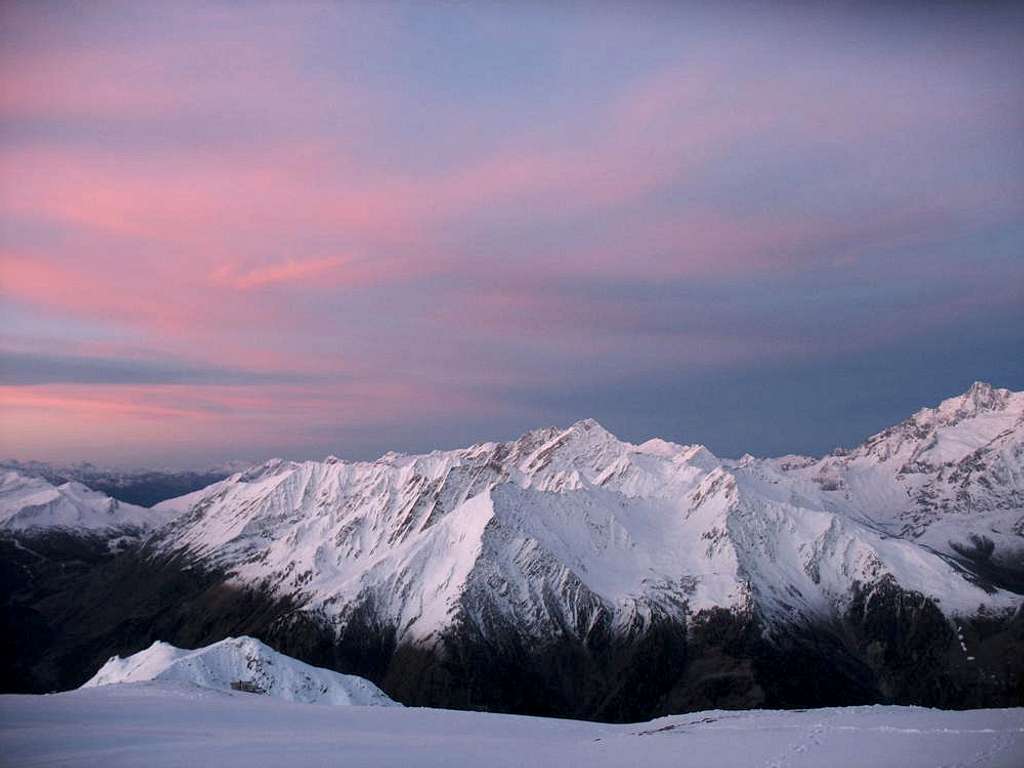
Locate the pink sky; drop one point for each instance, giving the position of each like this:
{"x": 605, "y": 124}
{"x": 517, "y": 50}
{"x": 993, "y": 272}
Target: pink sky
{"x": 296, "y": 229}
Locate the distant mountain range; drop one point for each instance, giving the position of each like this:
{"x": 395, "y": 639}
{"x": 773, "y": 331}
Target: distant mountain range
{"x": 31, "y": 505}
{"x": 571, "y": 573}
{"x": 143, "y": 487}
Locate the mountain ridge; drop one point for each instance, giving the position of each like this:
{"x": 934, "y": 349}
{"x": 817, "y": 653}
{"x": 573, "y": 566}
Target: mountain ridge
{"x": 32, "y": 503}
{"x": 619, "y": 580}
{"x": 141, "y": 487}
{"x": 351, "y": 502}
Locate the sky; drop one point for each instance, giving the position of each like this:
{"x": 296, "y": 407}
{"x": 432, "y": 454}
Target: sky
{"x": 242, "y": 230}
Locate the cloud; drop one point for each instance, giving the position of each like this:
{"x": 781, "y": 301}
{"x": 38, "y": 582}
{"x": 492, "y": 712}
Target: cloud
{"x": 287, "y": 272}
{"x": 28, "y": 369}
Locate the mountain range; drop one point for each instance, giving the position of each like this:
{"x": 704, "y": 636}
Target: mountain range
{"x": 569, "y": 572}
{"x": 143, "y": 487}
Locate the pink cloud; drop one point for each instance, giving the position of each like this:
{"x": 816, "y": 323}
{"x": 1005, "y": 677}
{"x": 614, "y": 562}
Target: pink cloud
{"x": 290, "y": 271}
{"x": 81, "y": 84}
{"x": 101, "y": 420}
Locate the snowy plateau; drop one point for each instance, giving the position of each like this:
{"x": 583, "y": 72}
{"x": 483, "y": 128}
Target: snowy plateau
{"x": 566, "y": 573}
{"x": 168, "y": 724}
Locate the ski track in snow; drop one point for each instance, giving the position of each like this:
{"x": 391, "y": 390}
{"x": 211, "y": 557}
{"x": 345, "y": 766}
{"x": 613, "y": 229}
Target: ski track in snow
{"x": 814, "y": 737}
{"x": 1003, "y": 743}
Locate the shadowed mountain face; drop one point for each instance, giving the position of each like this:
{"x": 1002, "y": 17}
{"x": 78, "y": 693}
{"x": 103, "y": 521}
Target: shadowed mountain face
{"x": 569, "y": 573}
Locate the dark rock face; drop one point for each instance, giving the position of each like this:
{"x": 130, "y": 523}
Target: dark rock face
{"x": 604, "y": 676}
{"x": 66, "y": 605}
{"x": 916, "y": 655}
{"x": 988, "y": 568}
{"x": 904, "y": 639}
{"x": 66, "y": 611}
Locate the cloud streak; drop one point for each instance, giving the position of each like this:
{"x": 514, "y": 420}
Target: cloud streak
{"x": 27, "y": 369}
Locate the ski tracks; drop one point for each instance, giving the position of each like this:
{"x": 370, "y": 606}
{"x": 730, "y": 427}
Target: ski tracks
{"x": 813, "y": 739}
{"x": 1002, "y": 744}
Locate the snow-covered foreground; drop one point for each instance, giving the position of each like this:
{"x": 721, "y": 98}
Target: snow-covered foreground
{"x": 168, "y": 724}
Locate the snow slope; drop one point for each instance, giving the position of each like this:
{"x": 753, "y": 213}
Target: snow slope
{"x": 33, "y": 504}
{"x": 241, "y": 660}
{"x": 549, "y": 532}
{"x": 166, "y": 724}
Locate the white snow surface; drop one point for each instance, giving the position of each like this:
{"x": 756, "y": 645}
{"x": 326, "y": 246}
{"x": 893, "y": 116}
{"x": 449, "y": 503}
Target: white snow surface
{"x": 163, "y": 724}
{"x": 177, "y": 505}
{"x": 551, "y": 529}
{"x": 241, "y": 660}
{"x": 33, "y": 504}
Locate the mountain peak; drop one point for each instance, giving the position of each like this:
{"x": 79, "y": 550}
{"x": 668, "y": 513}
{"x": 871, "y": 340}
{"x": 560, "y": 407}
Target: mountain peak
{"x": 983, "y": 396}
{"x": 241, "y": 663}
{"x": 588, "y": 425}
{"x": 980, "y": 387}
{"x": 267, "y": 469}
{"x": 590, "y": 429}
{"x": 980, "y": 398}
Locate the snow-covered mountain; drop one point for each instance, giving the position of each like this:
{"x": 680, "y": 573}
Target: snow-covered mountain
{"x": 241, "y": 663}
{"x": 949, "y": 478}
{"x": 143, "y": 487}
{"x": 570, "y": 572}
{"x": 31, "y": 505}
{"x": 561, "y": 526}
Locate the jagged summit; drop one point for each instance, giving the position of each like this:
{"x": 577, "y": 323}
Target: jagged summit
{"x": 941, "y": 435}
{"x": 980, "y": 398}
{"x": 268, "y": 468}
{"x": 590, "y": 426}
{"x": 984, "y": 396}
{"x": 948, "y": 475}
